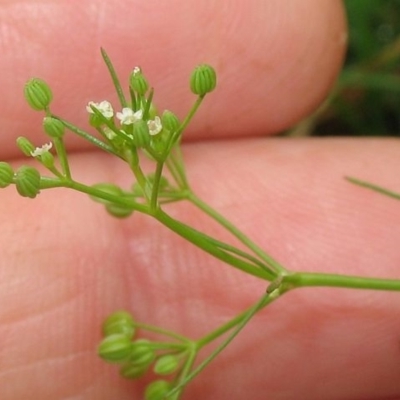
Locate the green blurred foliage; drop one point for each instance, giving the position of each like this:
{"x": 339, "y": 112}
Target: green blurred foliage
{"x": 366, "y": 99}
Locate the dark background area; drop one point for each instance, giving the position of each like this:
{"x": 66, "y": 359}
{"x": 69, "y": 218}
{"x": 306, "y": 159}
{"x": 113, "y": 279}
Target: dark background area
{"x": 366, "y": 98}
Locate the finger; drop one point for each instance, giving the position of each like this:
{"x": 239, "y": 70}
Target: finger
{"x": 66, "y": 264}
{"x": 275, "y": 60}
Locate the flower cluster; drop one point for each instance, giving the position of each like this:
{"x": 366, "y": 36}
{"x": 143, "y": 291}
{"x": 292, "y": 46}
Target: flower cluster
{"x": 138, "y": 356}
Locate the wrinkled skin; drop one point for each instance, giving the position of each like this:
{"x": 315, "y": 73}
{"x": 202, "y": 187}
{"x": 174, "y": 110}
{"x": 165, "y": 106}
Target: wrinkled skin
{"x": 65, "y": 264}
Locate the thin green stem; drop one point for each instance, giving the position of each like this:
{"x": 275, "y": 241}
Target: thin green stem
{"x": 62, "y": 156}
{"x": 176, "y": 167}
{"x": 156, "y": 186}
{"x": 177, "y": 135}
{"x": 373, "y": 187}
{"x": 206, "y": 243}
{"x": 267, "y": 259}
{"x": 162, "y": 331}
{"x": 98, "y": 143}
{"x": 183, "y": 375}
{"x": 114, "y": 78}
{"x": 307, "y": 279}
{"x": 264, "y": 301}
{"x": 222, "y": 329}
{"x": 242, "y": 254}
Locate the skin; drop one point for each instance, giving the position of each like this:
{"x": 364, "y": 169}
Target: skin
{"x": 65, "y": 264}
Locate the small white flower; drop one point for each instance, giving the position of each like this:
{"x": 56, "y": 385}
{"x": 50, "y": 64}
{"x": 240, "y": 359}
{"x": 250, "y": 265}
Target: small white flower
{"x": 155, "y": 126}
{"x": 41, "y": 150}
{"x": 136, "y": 70}
{"x": 128, "y": 116}
{"x": 104, "y": 107}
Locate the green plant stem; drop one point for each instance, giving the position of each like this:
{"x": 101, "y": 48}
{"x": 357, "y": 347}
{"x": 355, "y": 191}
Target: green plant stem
{"x": 373, "y": 187}
{"x": 133, "y": 161}
{"x": 175, "y": 165}
{"x": 267, "y": 259}
{"x": 223, "y": 328}
{"x": 307, "y": 279}
{"x": 162, "y": 331}
{"x": 156, "y": 185}
{"x": 183, "y": 374}
{"x": 264, "y": 301}
{"x": 206, "y": 243}
{"x": 62, "y": 156}
{"x": 49, "y": 183}
{"x": 98, "y": 143}
{"x": 177, "y": 135}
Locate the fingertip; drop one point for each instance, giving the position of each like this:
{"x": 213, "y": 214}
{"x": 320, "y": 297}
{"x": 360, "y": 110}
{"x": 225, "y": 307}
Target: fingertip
{"x": 275, "y": 60}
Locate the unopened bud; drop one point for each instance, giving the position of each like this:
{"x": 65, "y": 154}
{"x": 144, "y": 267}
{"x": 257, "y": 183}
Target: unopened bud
{"x": 138, "y": 82}
{"x": 203, "y": 80}
{"x": 38, "y": 94}
{"x": 27, "y": 181}
{"x": 157, "y": 390}
{"x": 115, "y": 348}
{"x": 166, "y": 365}
{"x": 53, "y": 127}
{"x": 170, "y": 121}
{"x": 6, "y": 174}
{"x": 25, "y": 145}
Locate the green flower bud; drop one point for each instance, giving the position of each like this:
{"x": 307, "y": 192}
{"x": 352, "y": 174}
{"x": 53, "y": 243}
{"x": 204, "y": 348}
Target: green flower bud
{"x": 119, "y": 322}
{"x": 170, "y": 121}
{"x": 27, "y": 181}
{"x": 118, "y": 211}
{"x": 115, "y": 348}
{"x": 53, "y": 127}
{"x": 38, "y": 94}
{"x": 142, "y": 353}
{"x": 157, "y": 390}
{"x": 203, "y": 80}
{"x": 166, "y": 365}
{"x": 138, "y": 82}
{"x": 133, "y": 371}
{"x": 6, "y": 174}
{"x": 25, "y": 145}
{"x": 141, "y": 135}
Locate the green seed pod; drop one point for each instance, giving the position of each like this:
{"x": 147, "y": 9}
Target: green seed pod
{"x": 115, "y": 348}
{"x": 141, "y": 135}
{"x": 157, "y": 390}
{"x": 119, "y": 322}
{"x": 133, "y": 371}
{"x": 47, "y": 159}
{"x": 138, "y": 82}
{"x": 142, "y": 353}
{"x": 203, "y": 80}
{"x": 53, "y": 127}
{"x": 38, "y": 94}
{"x": 118, "y": 211}
{"x": 170, "y": 121}
{"x": 25, "y": 145}
{"x": 166, "y": 365}
{"x": 27, "y": 181}
{"x": 121, "y": 326}
{"x": 6, "y": 174}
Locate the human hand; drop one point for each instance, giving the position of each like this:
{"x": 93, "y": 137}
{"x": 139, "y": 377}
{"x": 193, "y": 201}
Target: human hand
{"x": 61, "y": 276}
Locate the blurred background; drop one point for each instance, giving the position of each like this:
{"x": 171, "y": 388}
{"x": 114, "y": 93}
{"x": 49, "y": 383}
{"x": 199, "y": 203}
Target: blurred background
{"x": 366, "y": 99}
